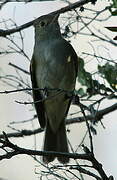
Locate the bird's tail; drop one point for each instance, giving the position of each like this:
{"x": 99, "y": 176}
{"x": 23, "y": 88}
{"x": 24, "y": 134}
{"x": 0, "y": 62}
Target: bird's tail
{"x": 56, "y": 142}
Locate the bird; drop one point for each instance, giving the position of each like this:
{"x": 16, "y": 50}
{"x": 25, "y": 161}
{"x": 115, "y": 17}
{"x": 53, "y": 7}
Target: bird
{"x": 53, "y": 70}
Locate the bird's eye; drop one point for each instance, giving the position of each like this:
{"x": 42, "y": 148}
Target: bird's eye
{"x": 42, "y": 23}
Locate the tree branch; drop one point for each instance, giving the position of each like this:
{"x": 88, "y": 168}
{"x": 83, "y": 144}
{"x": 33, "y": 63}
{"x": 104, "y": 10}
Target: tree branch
{"x": 15, "y": 150}
{"x": 18, "y": 150}
{"x": 23, "y": 133}
{"x": 70, "y": 7}
{"x": 99, "y": 115}
{"x": 19, "y": 68}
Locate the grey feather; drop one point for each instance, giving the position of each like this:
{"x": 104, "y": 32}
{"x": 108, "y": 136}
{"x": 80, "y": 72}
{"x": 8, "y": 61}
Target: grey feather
{"x": 54, "y": 67}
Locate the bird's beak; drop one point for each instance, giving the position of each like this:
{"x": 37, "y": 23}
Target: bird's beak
{"x": 51, "y": 17}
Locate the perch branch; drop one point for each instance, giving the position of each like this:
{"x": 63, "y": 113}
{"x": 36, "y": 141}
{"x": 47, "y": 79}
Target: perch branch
{"x": 99, "y": 115}
{"x": 70, "y": 7}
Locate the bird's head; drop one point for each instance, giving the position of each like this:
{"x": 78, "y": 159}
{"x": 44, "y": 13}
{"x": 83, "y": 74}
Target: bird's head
{"x": 47, "y": 26}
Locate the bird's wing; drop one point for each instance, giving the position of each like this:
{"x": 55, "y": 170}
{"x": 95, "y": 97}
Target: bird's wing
{"x": 75, "y": 60}
{"x": 37, "y": 97}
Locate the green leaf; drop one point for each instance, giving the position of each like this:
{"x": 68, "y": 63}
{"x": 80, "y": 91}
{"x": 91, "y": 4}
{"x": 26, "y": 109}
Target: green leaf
{"x": 81, "y": 92}
{"x": 93, "y": 87}
{"x": 114, "y": 3}
{"x": 114, "y": 29}
{"x": 114, "y": 13}
{"x": 109, "y": 72}
{"x": 81, "y": 63}
{"x": 84, "y": 77}
{"x": 115, "y": 38}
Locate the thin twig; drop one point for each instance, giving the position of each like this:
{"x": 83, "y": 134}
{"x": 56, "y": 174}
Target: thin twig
{"x": 19, "y": 68}
{"x": 88, "y": 127}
